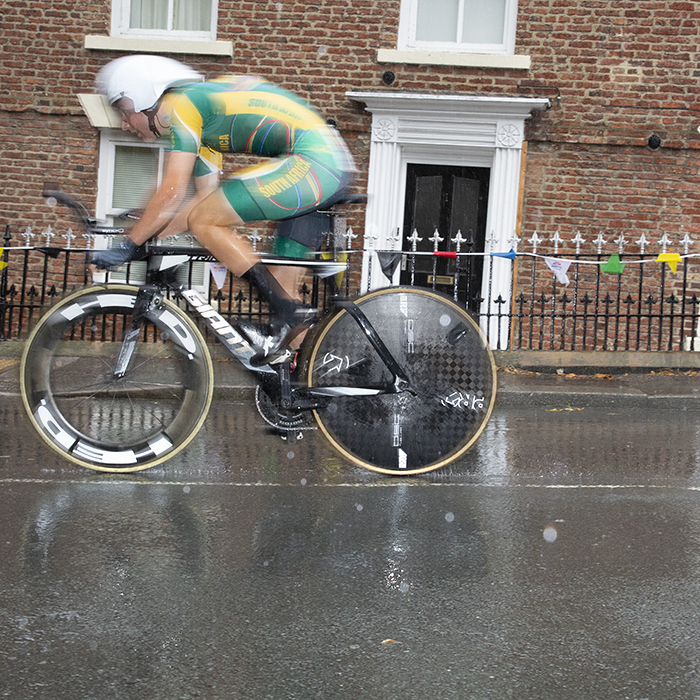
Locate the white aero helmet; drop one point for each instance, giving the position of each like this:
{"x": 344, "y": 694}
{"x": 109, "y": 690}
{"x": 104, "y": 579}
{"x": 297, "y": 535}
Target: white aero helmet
{"x": 143, "y": 79}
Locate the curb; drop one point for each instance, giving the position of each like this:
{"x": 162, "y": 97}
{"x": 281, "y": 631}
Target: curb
{"x": 594, "y": 361}
{"x": 546, "y": 361}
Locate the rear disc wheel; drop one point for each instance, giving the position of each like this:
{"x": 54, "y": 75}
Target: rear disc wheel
{"x": 452, "y": 382}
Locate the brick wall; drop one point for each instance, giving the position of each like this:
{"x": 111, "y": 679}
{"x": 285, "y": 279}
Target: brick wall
{"x": 624, "y": 70}
{"x": 38, "y": 148}
{"x": 624, "y": 189}
{"x": 617, "y": 71}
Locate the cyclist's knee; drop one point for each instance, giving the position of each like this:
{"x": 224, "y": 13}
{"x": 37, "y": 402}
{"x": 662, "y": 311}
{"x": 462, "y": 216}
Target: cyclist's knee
{"x": 196, "y": 220}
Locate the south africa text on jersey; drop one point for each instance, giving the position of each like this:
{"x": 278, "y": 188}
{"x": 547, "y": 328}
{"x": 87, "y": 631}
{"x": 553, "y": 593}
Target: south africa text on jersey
{"x": 272, "y": 105}
{"x": 289, "y": 179}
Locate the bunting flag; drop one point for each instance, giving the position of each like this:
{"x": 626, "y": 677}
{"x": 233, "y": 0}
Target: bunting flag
{"x": 671, "y": 258}
{"x": 389, "y": 261}
{"x": 341, "y": 258}
{"x": 3, "y": 265}
{"x": 510, "y": 255}
{"x": 51, "y": 252}
{"x": 218, "y": 272}
{"x": 613, "y": 266}
{"x": 559, "y": 267}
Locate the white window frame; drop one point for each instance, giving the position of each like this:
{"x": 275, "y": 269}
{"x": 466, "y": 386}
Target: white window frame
{"x": 104, "y": 211}
{"x": 109, "y": 140}
{"x": 407, "y": 33}
{"x": 121, "y": 12}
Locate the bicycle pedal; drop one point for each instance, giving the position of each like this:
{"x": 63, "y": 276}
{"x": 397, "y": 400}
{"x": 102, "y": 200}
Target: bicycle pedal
{"x": 292, "y": 436}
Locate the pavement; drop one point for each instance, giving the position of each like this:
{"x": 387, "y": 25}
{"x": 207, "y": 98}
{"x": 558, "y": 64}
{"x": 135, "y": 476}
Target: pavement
{"x": 557, "y": 559}
{"x": 669, "y": 380}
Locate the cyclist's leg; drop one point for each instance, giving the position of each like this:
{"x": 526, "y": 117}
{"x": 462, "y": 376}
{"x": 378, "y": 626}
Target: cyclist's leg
{"x": 299, "y": 237}
{"x": 292, "y": 192}
{"x": 212, "y": 221}
{"x": 275, "y": 190}
{"x": 279, "y": 189}
{"x": 290, "y": 280}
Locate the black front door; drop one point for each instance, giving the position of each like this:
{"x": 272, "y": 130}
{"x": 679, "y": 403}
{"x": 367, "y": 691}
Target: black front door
{"x": 450, "y": 200}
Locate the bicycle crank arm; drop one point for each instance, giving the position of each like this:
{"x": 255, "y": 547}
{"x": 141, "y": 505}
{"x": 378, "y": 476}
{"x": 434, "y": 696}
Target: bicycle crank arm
{"x": 311, "y": 398}
{"x": 401, "y": 380}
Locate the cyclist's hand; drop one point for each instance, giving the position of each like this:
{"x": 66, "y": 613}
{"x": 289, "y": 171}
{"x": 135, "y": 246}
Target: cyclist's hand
{"x": 114, "y": 257}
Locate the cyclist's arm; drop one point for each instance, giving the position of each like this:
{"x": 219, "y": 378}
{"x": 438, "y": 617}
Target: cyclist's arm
{"x": 168, "y": 198}
{"x": 204, "y": 186}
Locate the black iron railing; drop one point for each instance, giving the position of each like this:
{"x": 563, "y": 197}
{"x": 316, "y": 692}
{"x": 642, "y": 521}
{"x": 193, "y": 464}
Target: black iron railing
{"x": 525, "y": 301}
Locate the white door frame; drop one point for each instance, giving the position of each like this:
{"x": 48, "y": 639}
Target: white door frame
{"x": 444, "y": 129}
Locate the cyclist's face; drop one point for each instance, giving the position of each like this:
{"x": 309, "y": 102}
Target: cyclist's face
{"x": 134, "y": 122}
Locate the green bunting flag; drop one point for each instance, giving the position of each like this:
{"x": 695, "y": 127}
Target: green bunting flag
{"x": 613, "y": 266}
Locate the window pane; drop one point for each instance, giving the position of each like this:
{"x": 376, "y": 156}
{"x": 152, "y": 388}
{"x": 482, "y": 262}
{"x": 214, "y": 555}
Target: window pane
{"x": 465, "y": 206}
{"x": 149, "y": 14}
{"x": 135, "y": 176}
{"x": 192, "y": 15}
{"x": 483, "y": 21}
{"x": 437, "y": 20}
{"x": 428, "y": 205}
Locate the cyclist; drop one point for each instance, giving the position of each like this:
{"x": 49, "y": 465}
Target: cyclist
{"x": 308, "y": 167}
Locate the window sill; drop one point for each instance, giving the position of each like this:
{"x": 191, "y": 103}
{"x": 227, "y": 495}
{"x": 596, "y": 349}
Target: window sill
{"x": 125, "y": 43}
{"x": 98, "y": 111}
{"x": 446, "y": 58}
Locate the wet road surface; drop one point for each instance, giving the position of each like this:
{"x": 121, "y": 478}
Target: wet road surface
{"x": 559, "y": 559}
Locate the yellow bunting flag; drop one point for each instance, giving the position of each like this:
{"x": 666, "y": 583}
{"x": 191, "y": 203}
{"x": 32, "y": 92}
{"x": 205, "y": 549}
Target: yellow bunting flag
{"x": 342, "y": 257}
{"x": 671, "y": 258}
{"x": 3, "y": 265}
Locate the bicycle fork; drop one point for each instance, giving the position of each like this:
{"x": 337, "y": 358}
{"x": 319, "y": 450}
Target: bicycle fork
{"x": 145, "y": 299}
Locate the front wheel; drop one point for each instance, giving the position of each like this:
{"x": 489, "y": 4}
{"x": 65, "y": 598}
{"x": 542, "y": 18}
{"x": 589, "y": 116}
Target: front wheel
{"x": 452, "y": 382}
{"x": 108, "y": 423}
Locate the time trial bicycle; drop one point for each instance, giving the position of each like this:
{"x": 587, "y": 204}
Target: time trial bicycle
{"x": 119, "y": 378}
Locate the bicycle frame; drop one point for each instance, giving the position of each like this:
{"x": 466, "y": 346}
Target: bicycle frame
{"x": 297, "y": 398}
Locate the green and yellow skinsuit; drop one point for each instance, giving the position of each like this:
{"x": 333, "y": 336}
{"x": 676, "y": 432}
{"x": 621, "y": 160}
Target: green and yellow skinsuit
{"x": 309, "y": 164}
